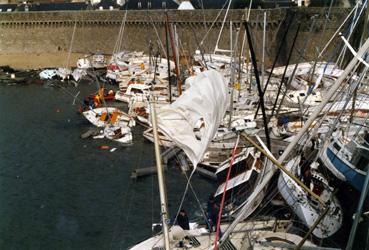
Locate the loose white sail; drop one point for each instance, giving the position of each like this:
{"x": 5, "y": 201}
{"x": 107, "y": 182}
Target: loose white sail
{"x": 193, "y": 119}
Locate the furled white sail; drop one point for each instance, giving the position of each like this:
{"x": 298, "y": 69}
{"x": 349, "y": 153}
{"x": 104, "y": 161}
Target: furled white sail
{"x": 192, "y": 120}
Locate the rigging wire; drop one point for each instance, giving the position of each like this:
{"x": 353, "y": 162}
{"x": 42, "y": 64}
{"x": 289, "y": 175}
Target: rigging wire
{"x": 159, "y": 40}
{"x": 337, "y": 31}
{"x": 196, "y": 198}
{"x": 184, "y": 194}
{"x": 212, "y": 24}
{"x": 118, "y": 42}
{"x": 224, "y": 192}
{"x": 71, "y": 43}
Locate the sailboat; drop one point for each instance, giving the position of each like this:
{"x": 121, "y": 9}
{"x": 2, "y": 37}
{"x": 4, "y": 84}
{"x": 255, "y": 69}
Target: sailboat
{"x": 347, "y": 158}
{"x": 116, "y": 133}
{"x": 305, "y": 206}
{"x": 100, "y": 117}
{"x": 259, "y": 190}
{"x": 255, "y": 234}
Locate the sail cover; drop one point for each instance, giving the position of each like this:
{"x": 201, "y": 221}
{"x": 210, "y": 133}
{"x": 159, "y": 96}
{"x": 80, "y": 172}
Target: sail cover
{"x": 192, "y": 120}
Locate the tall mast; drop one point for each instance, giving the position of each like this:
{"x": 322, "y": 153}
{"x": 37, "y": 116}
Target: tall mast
{"x": 363, "y": 196}
{"x": 233, "y": 48}
{"x": 256, "y": 72}
{"x": 289, "y": 18}
{"x": 258, "y": 190}
{"x": 167, "y": 45}
{"x": 232, "y": 76}
{"x": 285, "y": 69}
{"x": 179, "y": 85}
{"x": 263, "y": 54}
{"x": 162, "y": 191}
{"x": 328, "y": 96}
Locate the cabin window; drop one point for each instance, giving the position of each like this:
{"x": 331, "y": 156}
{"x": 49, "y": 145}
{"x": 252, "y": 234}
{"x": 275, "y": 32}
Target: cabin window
{"x": 139, "y": 5}
{"x": 163, "y": 5}
{"x": 302, "y": 94}
{"x": 291, "y": 96}
{"x": 137, "y": 91}
{"x": 336, "y": 146}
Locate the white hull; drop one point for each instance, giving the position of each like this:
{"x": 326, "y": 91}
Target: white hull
{"x": 124, "y": 135}
{"x": 163, "y": 140}
{"x": 257, "y": 232}
{"x": 116, "y": 133}
{"x": 309, "y": 210}
{"x": 95, "y": 117}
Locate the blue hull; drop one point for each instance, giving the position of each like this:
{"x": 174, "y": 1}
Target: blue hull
{"x": 354, "y": 178}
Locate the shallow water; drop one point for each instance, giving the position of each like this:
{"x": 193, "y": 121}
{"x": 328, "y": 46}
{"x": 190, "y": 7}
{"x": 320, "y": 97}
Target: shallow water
{"x": 58, "y": 191}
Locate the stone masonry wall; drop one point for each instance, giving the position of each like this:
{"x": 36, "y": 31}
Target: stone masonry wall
{"x": 52, "y": 32}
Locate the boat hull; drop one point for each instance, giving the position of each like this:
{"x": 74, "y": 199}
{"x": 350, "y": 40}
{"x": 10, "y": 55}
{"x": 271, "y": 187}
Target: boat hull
{"x": 309, "y": 210}
{"x": 342, "y": 169}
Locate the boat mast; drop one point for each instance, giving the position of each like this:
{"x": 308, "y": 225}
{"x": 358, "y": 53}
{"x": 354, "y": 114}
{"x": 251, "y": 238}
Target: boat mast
{"x": 162, "y": 190}
{"x": 179, "y": 84}
{"x": 363, "y": 195}
{"x": 257, "y": 192}
{"x": 176, "y": 43}
{"x": 285, "y": 69}
{"x": 331, "y": 92}
{"x": 263, "y": 53}
{"x": 289, "y": 18}
{"x": 232, "y": 76}
{"x": 168, "y": 62}
{"x": 302, "y": 54}
{"x": 261, "y": 96}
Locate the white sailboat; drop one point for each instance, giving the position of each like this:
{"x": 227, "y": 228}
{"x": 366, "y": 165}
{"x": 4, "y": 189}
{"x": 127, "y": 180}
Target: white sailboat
{"x": 307, "y": 208}
{"x": 259, "y": 191}
{"x": 100, "y": 117}
{"x": 255, "y": 234}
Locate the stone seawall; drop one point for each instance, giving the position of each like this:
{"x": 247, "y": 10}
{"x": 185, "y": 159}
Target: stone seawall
{"x": 32, "y": 36}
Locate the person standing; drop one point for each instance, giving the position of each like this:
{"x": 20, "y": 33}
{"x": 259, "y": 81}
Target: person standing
{"x": 213, "y": 213}
{"x": 182, "y": 220}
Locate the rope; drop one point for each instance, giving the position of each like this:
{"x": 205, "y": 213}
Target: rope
{"x": 196, "y": 198}
{"x": 118, "y": 42}
{"x": 224, "y": 192}
{"x": 157, "y": 35}
{"x": 212, "y": 24}
{"x": 337, "y": 31}
{"x": 71, "y": 44}
{"x": 184, "y": 194}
